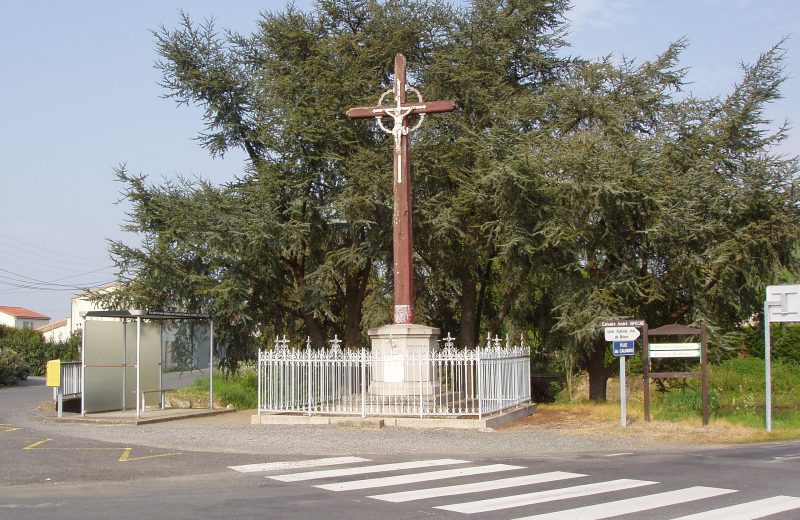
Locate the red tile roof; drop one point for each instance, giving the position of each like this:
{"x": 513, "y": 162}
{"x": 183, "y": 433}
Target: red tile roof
{"x": 51, "y": 326}
{"x": 22, "y": 312}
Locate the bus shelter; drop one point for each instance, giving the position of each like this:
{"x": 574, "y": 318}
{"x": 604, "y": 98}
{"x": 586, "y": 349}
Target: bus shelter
{"x": 125, "y": 352}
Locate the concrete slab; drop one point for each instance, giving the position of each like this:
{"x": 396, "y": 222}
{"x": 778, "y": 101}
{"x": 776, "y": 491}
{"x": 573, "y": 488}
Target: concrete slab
{"x": 148, "y": 417}
{"x": 491, "y": 422}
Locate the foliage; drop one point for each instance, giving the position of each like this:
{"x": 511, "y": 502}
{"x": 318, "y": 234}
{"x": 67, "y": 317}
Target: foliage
{"x": 9, "y": 366}
{"x": 561, "y": 193}
{"x": 238, "y": 389}
{"x": 737, "y": 393}
{"x": 784, "y": 342}
{"x": 661, "y": 206}
{"x": 35, "y": 352}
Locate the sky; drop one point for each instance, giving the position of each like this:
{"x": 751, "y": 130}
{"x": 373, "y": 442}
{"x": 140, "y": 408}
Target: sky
{"x": 80, "y": 96}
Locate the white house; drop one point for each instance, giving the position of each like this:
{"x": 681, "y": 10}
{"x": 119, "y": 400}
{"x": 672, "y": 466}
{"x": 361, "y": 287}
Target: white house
{"x": 80, "y": 303}
{"x": 21, "y": 318}
{"x": 56, "y": 332}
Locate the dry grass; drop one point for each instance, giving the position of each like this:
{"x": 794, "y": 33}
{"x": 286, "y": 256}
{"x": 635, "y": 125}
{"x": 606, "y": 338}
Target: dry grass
{"x": 603, "y": 420}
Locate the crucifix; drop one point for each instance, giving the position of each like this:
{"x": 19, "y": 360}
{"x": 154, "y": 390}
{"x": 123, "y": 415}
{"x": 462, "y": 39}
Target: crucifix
{"x": 399, "y": 112}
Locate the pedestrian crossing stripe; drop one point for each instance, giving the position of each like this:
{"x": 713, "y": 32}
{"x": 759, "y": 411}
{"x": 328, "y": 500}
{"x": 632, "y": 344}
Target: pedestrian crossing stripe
{"x": 748, "y": 510}
{"x": 361, "y": 470}
{"x": 399, "y": 480}
{"x": 296, "y": 464}
{"x": 493, "y": 504}
{"x": 632, "y": 505}
{"x": 476, "y": 487}
{"x": 745, "y": 511}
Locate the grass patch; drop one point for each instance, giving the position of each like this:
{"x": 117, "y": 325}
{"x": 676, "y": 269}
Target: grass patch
{"x": 238, "y": 390}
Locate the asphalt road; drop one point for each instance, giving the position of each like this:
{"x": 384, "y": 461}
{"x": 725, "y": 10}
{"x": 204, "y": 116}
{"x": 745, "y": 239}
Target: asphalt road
{"x": 47, "y": 472}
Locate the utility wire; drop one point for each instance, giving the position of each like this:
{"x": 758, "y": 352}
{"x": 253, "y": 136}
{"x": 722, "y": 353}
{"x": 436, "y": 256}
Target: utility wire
{"x": 59, "y": 253}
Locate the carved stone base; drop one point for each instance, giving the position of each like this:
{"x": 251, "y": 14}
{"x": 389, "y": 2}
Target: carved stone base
{"x": 396, "y": 345}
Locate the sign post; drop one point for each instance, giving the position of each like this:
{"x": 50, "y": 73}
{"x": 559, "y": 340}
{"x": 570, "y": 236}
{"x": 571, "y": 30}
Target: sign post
{"x": 622, "y": 334}
{"x": 786, "y": 301}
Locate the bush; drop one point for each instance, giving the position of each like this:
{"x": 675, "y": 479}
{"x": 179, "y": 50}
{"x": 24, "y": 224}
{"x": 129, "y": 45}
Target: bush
{"x": 784, "y": 342}
{"x": 9, "y": 366}
{"x": 35, "y": 352}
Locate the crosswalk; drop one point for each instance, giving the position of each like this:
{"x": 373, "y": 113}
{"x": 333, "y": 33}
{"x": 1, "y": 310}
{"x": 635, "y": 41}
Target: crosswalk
{"x": 518, "y": 486}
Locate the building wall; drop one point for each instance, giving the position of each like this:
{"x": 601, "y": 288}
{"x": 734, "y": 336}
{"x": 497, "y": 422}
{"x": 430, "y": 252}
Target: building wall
{"x": 22, "y": 323}
{"x": 58, "y": 334}
{"x": 8, "y": 321}
{"x": 80, "y": 303}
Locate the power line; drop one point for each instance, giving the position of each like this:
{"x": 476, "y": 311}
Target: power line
{"x": 45, "y": 249}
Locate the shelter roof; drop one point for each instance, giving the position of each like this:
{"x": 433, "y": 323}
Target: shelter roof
{"x": 145, "y": 315}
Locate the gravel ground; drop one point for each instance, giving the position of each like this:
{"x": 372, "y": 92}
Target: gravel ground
{"x": 232, "y": 432}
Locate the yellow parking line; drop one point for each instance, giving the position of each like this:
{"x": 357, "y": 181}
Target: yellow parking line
{"x": 126, "y": 456}
{"x": 35, "y": 444}
{"x": 11, "y": 429}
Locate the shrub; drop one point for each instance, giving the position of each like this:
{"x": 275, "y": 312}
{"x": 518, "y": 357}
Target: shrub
{"x": 784, "y": 342}
{"x": 35, "y": 352}
{"x": 9, "y": 366}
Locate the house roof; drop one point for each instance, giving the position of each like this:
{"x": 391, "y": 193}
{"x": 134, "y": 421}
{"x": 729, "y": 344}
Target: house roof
{"x": 51, "y": 326}
{"x": 101, "y": 288}
{"x": 22, "y": 312}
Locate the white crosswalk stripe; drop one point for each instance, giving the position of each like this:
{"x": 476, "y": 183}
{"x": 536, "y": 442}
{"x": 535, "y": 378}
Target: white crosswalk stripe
{"x": 493, "y": 504}
{"x": 412, "y": 478}
{"x": 748, "y": 510}
{"x": 752, "y": 510}
{"x": 361, "y": 470}
{"x": 296, "y": 464}
{"x": 632, "y": 505}
{"x": 476, "y": 487}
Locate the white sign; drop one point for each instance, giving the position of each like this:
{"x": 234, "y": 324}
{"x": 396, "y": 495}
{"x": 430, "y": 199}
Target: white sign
{"x": 674, "y": 350}
{"x": 621, "y": 333}
{"x": 783, "y": 302}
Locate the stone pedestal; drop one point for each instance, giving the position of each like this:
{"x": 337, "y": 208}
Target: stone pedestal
{"x": 401, "y": 372}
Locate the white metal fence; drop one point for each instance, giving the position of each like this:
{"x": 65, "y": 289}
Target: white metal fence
{"x": 447, "y": 382}
{"x": 70, "y": 378}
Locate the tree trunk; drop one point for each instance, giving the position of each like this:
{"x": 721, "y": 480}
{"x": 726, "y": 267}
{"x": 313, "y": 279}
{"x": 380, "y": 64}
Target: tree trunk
{"x": 355, "y": 291}
{"x": 598, "y": 371}
{"x": 469, "y": 302}
{"x": 314, "y": 330}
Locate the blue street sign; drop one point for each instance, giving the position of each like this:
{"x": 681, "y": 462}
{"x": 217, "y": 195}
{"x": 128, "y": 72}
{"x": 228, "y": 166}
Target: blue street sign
{"x": 622, "y": 348}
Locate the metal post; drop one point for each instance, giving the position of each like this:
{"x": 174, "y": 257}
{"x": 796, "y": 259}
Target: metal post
{"x": 767, "y": 367}
{"x": 83, "y": 367}
{"x": 704, "y": 366}
{"x": 363, "y": 383}
{"x": 124, "y": 364}
{"x": 258, "y": 368}
{"x": 211, "y": 365}
{"x": 646, "y": 370}
{"x": 308, "y": 379}
{"x": 138, "y": 363}
{"x": 623, "y": 391}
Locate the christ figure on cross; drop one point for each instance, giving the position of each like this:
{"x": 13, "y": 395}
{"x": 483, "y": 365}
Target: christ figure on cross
{"x": 402, "y": 241}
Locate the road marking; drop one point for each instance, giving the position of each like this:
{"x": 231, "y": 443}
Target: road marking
{"x": 493, "y": 504}
{"x": 9, "y": 428}
{"x": 748, "y": 510}
{"x": 476, "y": 487}
{"x": 296, "y": 464}
{"x": 399, "y": 480}
{"x": 35, "y": 444}
{"x": 126, "y": 452}
{"x": 632, "y": 505}
{"x": 618, "y": 454}
{"x": 313, "y": 475}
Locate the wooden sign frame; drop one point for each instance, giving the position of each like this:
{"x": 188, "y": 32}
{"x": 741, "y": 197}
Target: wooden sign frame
{"x": 675, "y": 330}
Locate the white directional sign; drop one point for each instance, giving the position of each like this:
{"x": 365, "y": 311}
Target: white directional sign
{"x": 621, "y": 333}
{"x": 675, "y": 350}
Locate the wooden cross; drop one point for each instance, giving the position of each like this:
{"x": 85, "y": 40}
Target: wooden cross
{"x": 402, "y": 240}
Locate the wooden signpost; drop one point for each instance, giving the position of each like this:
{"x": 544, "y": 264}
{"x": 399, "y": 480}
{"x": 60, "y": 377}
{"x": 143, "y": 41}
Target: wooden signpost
{"x": 675, "y": 350}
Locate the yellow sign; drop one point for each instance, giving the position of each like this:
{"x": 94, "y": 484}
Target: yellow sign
{"x": 54, "y": 372}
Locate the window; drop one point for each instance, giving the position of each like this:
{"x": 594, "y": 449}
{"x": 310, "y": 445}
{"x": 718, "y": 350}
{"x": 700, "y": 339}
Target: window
{"x": 27, "y": 324}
